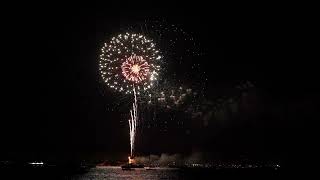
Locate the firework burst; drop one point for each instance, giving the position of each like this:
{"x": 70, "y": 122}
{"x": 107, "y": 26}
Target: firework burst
{"x": 130, "y": 60}
{"x": 130, "y": 63}
{"x": 135, "y": 69}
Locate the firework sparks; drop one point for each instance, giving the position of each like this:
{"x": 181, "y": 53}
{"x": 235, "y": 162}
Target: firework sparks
{"x": 127, "y": 60}
{"x": 135, "y": 69}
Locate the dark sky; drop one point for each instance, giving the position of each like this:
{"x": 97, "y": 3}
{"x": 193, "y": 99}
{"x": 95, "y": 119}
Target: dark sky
{"x": 57, "y": 103}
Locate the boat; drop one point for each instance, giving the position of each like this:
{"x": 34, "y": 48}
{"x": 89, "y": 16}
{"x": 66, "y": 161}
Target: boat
{"x": 132, "y": 166}
{"x": 150, "y": 168}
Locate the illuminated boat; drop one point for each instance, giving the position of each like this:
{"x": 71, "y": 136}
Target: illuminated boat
{"x": 132, "y": 166}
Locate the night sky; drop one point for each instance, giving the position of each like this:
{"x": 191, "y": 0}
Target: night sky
{"x": 57, "y": 105}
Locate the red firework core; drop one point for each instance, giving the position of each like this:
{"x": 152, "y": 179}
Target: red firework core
{"x": 135, "y": 69}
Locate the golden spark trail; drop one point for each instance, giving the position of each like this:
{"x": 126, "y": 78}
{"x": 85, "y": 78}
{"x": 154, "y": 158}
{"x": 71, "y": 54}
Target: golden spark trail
{"x": 133, "y": 121}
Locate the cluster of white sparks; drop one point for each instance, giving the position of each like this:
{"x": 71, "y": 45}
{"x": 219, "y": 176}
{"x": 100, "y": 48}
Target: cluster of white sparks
{"x": 127, "y": 60}
{"x": 129, "y": 63}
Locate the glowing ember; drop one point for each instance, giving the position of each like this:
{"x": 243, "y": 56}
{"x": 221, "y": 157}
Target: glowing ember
{"x": 131, "y": 160}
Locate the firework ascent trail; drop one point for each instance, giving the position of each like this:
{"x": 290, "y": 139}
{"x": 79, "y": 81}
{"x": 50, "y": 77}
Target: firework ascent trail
{"x": 133, "y": 121}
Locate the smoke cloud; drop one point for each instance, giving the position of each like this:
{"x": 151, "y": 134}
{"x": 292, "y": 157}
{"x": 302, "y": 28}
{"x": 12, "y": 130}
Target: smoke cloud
{"x": 167, "y": 159}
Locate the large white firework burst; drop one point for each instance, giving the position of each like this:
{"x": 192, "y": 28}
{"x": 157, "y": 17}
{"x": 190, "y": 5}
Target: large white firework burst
{"x": 130, "y": 60}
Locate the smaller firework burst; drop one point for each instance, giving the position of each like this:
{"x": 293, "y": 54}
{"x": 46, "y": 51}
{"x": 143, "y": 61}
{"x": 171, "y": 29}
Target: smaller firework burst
{"x": 135, "y": 69}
